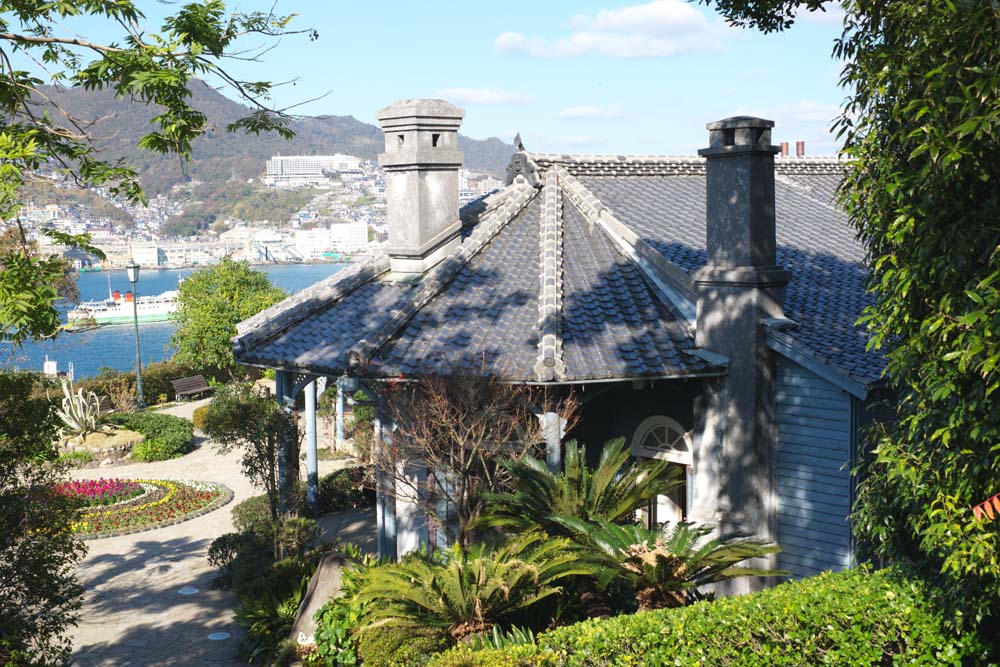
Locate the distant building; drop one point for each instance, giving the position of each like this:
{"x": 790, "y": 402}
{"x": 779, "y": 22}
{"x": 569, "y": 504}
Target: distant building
{"x": 295, "y": 171}
{"x": 149, "y": 256}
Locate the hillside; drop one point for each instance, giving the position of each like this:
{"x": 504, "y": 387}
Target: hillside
{"x": 219, "y": 156}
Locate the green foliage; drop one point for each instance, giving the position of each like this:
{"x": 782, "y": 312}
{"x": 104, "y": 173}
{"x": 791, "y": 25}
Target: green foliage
{"x": 665, "y": 566}
{"x": 198, "y": 417}
{"x": 467, "y": 591}
{"x": 144, "y": 65}
{"x": 343, "y": 490}
{"x": 39, "y": 596}
{"x": 209, "y": 305}
{"x": 920, "y": 126}
{"x": 851, "y": 618}
{"x": 240, "y": 416}
{"x": 388, "y": 646}
{"x": 364, "y": 411}
{"x": 612, "y": 491}
{"x": 253, "y": 515}
{"x": 167, "y": 436}
{"x": 268, "y": 618}
{"x": 501, "y": 639}
{"x": 336, "y": 621}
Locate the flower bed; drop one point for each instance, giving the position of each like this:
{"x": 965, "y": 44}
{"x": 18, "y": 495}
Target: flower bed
{"x": 162, "y": 503}
{"x": 101, "y": 492}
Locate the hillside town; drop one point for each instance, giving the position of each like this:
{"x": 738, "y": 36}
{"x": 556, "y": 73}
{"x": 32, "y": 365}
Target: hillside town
{"x": 346, "y": 218}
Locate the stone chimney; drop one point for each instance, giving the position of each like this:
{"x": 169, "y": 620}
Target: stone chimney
{"x": 738, "y": 288}
{"x": 421, "y": 163}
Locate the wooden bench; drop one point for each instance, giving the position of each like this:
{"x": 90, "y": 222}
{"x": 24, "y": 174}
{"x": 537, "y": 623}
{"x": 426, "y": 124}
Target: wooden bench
{"x": 186, "y": 387}
{"x": 104, "y": 406}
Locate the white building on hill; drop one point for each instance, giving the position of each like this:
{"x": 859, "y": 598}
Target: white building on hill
{"x": 295, "y": 171}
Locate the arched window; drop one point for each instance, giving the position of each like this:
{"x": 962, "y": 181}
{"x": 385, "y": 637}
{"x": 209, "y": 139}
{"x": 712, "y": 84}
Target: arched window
{"x": 663, "y": 438}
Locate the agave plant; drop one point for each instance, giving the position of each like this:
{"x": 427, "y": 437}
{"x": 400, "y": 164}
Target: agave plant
{"x": 465, "y": 592}
{"x": 666, "y": 565}
{"x": 612, "y": 491}
{"x": 79, "y": 412}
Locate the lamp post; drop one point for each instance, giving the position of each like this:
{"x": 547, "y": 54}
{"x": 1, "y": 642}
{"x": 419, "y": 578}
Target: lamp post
{"x": 132, "y": 270}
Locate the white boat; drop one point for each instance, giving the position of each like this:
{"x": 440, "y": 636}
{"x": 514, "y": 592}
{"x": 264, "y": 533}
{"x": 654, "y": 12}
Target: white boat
{"x": 118, "y": 309}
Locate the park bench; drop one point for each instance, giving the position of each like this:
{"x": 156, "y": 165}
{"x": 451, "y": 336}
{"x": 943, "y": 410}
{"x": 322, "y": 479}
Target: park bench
{"x": 104, "y": 406}
{"x": 186, "y": 387}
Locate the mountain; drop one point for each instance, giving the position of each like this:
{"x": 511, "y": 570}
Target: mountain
{"x": 117, "y": 126}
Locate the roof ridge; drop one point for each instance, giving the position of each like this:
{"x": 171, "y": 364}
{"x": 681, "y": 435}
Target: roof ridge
{"x": 666, "y": 165}
{"x": 300, "y": 305}
{"x": 439, "y": 276}
{"x": 671, "y": 283}
{"x": 550, "y": 366}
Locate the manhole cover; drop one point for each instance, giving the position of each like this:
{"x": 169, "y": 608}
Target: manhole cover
{"x": 219, "y": 636}
{"x": 187, "y": 590}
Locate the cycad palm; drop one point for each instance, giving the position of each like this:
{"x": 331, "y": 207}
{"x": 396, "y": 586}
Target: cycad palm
{"x": 472, "y": 589}
{"x": 612, "y": 491}
{"x": 664, "y": 565}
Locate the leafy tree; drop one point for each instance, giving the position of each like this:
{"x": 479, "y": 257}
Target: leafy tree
{"x": 612, "y": 491}
{"x": 209, "y": 305}
{"x": 145, "y": 65}
{"x": 240, "y": 416}
{"x": 39, "y": 596}
{"x": 920, "y": 126}
{"x": 472, "y": 589}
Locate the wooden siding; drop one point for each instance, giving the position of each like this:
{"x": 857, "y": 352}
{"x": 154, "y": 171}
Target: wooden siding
{"x": 813, "y": 476}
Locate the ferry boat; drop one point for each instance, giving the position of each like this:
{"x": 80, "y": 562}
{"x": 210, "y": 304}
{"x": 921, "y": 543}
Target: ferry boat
{"x": 118, "y": 309}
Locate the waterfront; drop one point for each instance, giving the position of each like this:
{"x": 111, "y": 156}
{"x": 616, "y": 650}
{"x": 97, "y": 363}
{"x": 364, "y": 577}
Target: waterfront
{"x": 114, "y": 346}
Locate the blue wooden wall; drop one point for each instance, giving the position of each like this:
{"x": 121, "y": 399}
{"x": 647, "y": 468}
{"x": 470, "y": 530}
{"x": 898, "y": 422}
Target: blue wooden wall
{"x": 814, "y": 460}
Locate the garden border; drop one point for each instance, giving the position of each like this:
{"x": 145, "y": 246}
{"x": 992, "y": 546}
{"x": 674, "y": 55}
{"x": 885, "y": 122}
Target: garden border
{"x": 222, "y": 501}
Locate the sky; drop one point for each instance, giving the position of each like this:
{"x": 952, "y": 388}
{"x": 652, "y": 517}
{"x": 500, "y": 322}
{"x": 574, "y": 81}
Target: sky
{"x": 581, "y": 77}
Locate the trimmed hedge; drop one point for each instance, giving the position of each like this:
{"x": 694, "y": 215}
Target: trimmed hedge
{"x": 388, "y": 646}
{"x": 167, "y": 437}
{"x": 849, "y": 618}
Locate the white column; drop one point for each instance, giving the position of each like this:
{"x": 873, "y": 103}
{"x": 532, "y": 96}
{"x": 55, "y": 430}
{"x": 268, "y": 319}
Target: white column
{"x": 552, "y": 431}
{"x": 340, "y": 415}
{"x": 312, "y": 467}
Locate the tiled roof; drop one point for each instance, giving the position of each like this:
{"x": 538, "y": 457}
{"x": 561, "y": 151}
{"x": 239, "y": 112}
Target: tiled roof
{"x": 575, "y": 272}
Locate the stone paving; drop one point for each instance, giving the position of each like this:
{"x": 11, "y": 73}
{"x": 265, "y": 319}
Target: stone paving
{"x": 135, "y": 612}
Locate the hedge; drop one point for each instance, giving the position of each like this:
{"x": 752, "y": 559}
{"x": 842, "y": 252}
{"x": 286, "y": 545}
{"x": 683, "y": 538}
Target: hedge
{"x": 850, "y": 618}
{"x": 166, "y": 436}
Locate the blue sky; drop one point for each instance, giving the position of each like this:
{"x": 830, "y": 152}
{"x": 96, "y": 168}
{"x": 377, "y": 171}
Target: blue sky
{"x": 582, "y": 77}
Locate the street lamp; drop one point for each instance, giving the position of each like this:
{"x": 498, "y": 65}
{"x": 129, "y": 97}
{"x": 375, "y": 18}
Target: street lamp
{"x": 132, "y": 270}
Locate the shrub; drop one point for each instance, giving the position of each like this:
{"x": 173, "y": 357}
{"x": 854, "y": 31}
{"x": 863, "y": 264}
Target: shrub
{"x": 253, "y": 515}
{"x": 166, "y": 436}
{"x": 465, "y": 592}
{"x": 849, "y": 618}
{"x": 387, "y": 646}
{"x": 343, "y": 490}
{"x": 198, "y": 417}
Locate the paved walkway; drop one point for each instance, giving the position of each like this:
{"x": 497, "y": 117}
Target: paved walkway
{"x": 134, "y": 613}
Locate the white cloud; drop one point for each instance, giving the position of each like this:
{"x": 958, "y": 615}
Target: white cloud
{"x": 806, "y": 111}
{"x": 613, "y": 111}
{"x": 483, "y": 96}
{"x": 656, "y": 29}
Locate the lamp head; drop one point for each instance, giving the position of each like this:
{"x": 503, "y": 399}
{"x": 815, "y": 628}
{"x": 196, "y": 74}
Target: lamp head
{"x": 132, "y": 270}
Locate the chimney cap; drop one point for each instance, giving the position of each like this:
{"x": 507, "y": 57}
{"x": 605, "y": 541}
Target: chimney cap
{"x": 738, "y": 134}
{"x": 737, "y": 122}
{"x": 417, "y": 108}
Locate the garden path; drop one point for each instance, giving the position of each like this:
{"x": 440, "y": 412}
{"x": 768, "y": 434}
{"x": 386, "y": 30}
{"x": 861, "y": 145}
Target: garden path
{"x": 133, "y": 612}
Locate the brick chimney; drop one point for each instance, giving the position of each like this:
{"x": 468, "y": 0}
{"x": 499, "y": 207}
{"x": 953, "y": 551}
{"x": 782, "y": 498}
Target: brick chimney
{"x": 738, "y": 288}
{"x": 421, "y": 163}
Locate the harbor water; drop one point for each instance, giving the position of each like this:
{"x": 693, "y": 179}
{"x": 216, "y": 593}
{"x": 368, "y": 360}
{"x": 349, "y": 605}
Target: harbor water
{"x": 114, "y": 346}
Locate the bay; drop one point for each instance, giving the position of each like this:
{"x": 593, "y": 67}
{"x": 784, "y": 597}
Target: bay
{"x": 114, "y": 346}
